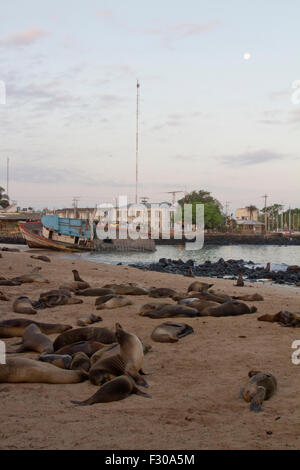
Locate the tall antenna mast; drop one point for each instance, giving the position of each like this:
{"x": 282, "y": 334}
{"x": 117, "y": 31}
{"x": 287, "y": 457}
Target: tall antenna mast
{"x": 137, "y": 141}
{"x": 7, "y": 177}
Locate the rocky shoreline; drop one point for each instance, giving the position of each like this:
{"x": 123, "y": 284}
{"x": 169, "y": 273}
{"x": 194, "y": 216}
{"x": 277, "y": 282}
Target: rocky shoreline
{"x": 277, "y": 239}
{"x": 230, "y": 268}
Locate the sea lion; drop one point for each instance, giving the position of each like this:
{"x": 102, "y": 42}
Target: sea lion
{"x": 249, "y": 298}
{"x": 56, "y": 297}
{"x": 77, "y": 284}
{"x": 164, "y": 310}
{"x": 80, "y": 362}
{"x": 88, "y": 347}
{"x": 41, "y": 258}
{"x": 31, "y": 277}
{"x": 114, "y": 390}
{"x": 88, "y": 319}
{"x": 114, "y": 301}
{"x": 240, "y": 282}
{"x": 19, "y": 369}
{"x": 114, "y": 349}
{"x": 12, "y": 250}
{"x": 127, "y": 289}
{"x": 107, "y": 368}
{"x": 198, "y": 286}
{"x": 58, "y": 360}
{"x": 16, "y": 327}
{"x": 212, "y": 296}
{"x": 284, "y": 318}
{"x": 228, "y": 309}
{"x": 23, "y": 305}
{"x": 260, "y": 387}
{"x": 190, "y": 273}
{"x": 9, "y": 282}
{"x": 4, "y": 296}
{"x": 199, "y": 304}
{"x": 293, "y": 268}
{"x": 170, "y": 332}
{"x": 35, "y": 340}
{"x": 101, "y": 335}
{"x": 158, "y": 292}
{"x": 268, "y": 267}
{"x": 94, "y": 292}
{"x": 77, "y": 278}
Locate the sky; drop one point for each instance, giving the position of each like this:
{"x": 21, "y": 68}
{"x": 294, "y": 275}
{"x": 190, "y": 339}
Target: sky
{"x": 210, "y": 116}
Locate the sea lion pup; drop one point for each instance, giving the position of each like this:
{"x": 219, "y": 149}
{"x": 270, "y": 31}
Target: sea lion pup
{"x": 228, "y": 309}
{"x": 114, "y": 301}
{"x": 158, "y": 292}
{"x": 164, "y": 310}
{"x": 88, "y": 319}
{"x": 16, "y": 327}
{"x": 41, "y": 258}
{"x": 61, "y": 361}
{"x": 283, "y": 318}
{"x": 80, "y": 362}
{"x": 249, "y": 298}
{"x": 94, "y": 292}
{"x": 240, "y": 282}
{"x": 127, "y": 289}
{"x": 101, "y": 335}
{"x": 4, "y": 296}
{"x": 35, "y": 340}
{"x": 260, "y": 387}
{"x": 88, "y": 347}
{"x": 170, "y": 332}
{"x": 23, "y": 305}
{"x": 114, "y": 390}
{"x": 198, "y": 286}
{"x": 19, "y": 369}
{"x": 31, "y": 277}
{"x": 56, "y": 297}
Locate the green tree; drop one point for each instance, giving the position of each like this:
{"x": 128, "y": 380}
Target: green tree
{"x": 251, "y": 209}
{"x": 213, "y": 216}
{"x": 4, "y": 199}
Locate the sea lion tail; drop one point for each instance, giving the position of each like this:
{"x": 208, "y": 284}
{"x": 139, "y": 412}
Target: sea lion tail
{"x": 79, "y": 403}
{"x": 253, "y": 309}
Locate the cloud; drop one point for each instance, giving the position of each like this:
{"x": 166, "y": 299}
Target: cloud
{"x": 183, "y": 30}
{"x": 251, "y": 158}
{"x": 24, "y": 38}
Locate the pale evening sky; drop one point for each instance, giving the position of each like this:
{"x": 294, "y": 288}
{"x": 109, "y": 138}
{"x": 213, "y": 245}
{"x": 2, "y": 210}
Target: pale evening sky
{"x": 210, "y": 119}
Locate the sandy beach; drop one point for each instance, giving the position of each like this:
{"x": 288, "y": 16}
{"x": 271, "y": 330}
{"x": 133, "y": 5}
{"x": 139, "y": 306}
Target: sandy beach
{"x": 194, "y": 383}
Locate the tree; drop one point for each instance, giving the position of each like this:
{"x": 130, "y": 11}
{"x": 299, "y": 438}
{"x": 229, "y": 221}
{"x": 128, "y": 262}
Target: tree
{"x": 251, "y": 209}
{"x": 213, "y": 217}
{"x": 4, "y": 199}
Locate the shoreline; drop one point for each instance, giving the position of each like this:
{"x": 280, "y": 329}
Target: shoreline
{"x": 207, "y": 368}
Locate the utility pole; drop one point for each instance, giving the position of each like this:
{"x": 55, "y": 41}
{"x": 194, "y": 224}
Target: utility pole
{"x": 266, "y": 219}
{"x": 226, "y": 207}
{"x": 289, "y": 218}
{"x": 7, "y": 178}
{"x": 137, "y": 141}
{"x": 75, "y": 205}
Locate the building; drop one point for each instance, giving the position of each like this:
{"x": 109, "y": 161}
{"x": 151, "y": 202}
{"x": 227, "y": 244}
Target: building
{"x": 250, "y": 226}
{"x": 243, "y": 213}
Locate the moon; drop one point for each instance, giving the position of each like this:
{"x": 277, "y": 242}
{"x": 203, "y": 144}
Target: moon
{"x": 247, "y": 56}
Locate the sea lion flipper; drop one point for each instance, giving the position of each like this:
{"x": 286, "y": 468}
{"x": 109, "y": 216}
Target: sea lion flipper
{"x": 137, "y": 378}
{"x": 79, "y": 403}
{"x": 141, "y": 372}
{"x": 142, "y": 394}
{"x": 257, "y": 400}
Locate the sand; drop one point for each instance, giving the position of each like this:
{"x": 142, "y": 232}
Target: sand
{"x": 194, "y": 383}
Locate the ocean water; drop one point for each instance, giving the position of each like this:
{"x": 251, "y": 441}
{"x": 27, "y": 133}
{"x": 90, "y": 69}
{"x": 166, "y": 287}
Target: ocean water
{"x": 279, "y": 256}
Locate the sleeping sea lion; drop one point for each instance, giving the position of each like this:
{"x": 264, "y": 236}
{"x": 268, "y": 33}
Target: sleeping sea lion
{"x": 212, "y": 296}
{"x": 164, "y": 310}
{"x": 127, "y": 289}
{"x": 23, "y": 305}
{"x": 158, "y": 292}
{"x": 56, "y": 297}
{"x": 249, "y": 298}
{"x": 284, "y": 318}
{"x": 228, "y": 309}
{"x": 88, "y": 319}
{"x": 112, "y": 301}
{"x": 94, "y": 292}
{"x": 88, "y": 347}
{"x": 114, "y": 390}
{"x": 58, "y": 360}
{"x": 80, "y": 362}
{"x": 19, "y": 369}
{"x": 35, "y": 340}
{"x": 41, "y": 258}
{"x": 17, "y": 326}
{"x": 260, "y": 387}
{"x": 198, "y": 286}
{"x": 31, "y": 277}
{"x": 170, "y": 332}
{"x": 9, "y": 282}
{"x": 12, "y": 250}
{"x": 101, "y": 335}
{"x": 198, "y": 304}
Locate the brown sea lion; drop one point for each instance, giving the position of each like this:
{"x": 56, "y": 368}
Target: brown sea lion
{"x": 199, "y": 304}
{"x": 4, "y": 296}
{"x": 107, "y": 368}
{"x": 293, "y": 268}
{"x": 80, "y": 362}
{"x": 88, "y": 319}
{"x": 12, "y": 250}
{"x": 94, "y": 292}
{"x": 158, "y": 292}
{"x": 127, "y": 289}
{"x": 268, "y": 267}
{"x": 19, "y": 369}
{"x": 73, "y": 286}
{"x": 114, "y": 390}
{"x": 249, "y": 298}
{"x": 101, "y": 335}
{"x": 31, "y": 277}
{"x": 41, "y": 258}
{"x": 114, "y": 301}
{"x": 9, "y": 282}
{"x": 16, "y": 327}
{"x": 56, "y": 297}
{"x": 170, "y": 332}
{"x": 240, "y": 282}
{"x": 77, "y": 278}
{"x": 212, "y": 296}
{"x": 228, "y": 309}
{"x": 114, "y": 349}
{"x": 88, "y": 347}
{"x": 164, "y": 310}
{"x": 284, "y": 318}
{"x": 23, "y": 305}
{"x": 260, "y": 387}
{"x": 58, "y": 360}
{"x": 35, "y": 340}
{"x": 198, "y": 286}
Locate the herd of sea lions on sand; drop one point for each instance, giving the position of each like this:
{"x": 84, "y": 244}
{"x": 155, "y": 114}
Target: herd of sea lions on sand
{"x": 113, "y": 360}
